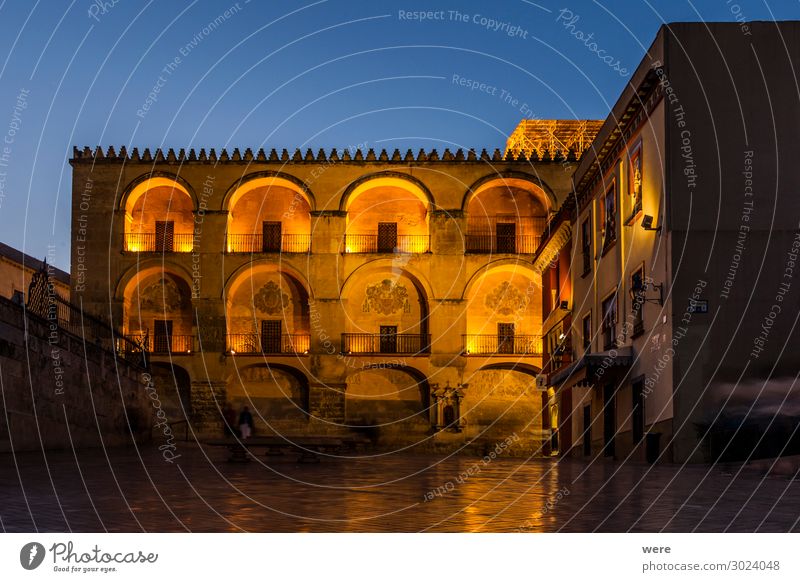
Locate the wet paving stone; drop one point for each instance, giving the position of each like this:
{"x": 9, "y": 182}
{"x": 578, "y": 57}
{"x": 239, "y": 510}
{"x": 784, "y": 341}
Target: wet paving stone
{"x": 125, "y": 490}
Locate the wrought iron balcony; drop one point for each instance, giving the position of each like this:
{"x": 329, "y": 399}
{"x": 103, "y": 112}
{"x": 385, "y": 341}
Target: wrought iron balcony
{"x": 256, "y": 343}
{"x": 496, "y": 345}
{"x": 166, "y": 344}
{"x": 402, "y": 243}
{"x": 148, "y": 242}
{"x": 255, "y": 243}
{"x": 490, "y": 243}
{"x": 376, "y": 343}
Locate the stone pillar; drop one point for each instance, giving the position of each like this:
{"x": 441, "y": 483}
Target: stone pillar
{"x": 326, "y": 405}
{"x": 447, "y": 228}
{"x": 208, "y": 398}
{"x": 327, "y": 231}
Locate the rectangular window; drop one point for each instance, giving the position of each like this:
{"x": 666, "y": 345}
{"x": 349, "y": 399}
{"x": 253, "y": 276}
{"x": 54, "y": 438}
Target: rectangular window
{"x": 586, "y": 245}
{"x": 610, "y": 322}
{"x": 638, "y": 411}
{"x": 586, "y": 332}
{"x": 637, "y": 292}
{"x": 635, "y": 180}
{"x": 610, "y": 216}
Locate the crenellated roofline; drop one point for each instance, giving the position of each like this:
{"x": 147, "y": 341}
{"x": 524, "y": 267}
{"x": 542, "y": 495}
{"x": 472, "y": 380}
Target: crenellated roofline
{"x": 183, "y": 156}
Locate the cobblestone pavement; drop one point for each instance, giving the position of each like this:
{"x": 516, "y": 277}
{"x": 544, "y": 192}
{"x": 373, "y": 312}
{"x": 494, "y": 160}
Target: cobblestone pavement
{"x": 121, "y": 490}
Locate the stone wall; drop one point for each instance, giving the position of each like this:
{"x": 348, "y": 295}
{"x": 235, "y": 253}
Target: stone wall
{"x": 58, "y": 392}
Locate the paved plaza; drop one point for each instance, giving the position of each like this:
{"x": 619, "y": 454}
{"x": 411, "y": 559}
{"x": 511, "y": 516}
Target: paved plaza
{"x": 125, "y": 490}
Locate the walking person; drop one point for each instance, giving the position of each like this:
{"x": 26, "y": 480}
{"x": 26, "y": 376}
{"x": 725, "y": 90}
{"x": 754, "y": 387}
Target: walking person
{"x": 245, "y": 423}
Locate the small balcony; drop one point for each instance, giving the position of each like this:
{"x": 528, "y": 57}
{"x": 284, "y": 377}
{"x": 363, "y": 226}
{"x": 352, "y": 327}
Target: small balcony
{"x": 164, "y": 344}
{"x": 488, "y": 243}
{"x": 256, "y": 243}
{"x": 495, "y": 345}
{"x": 401, "y": 243}
{"x": 256, "y": 343}
{"x": 375, "y": 343}
{"x": 150, "y": 242}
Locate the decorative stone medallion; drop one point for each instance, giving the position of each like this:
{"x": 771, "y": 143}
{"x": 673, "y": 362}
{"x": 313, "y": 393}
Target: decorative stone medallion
{"x": 271, "y": 300}
{"x": 163, "y": 296}
{"x": 386, "y": 298}
{"x": 506, "y": 299}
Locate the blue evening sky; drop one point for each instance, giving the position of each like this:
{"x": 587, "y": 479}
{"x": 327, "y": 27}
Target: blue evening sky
{"x": 330, "y": 73}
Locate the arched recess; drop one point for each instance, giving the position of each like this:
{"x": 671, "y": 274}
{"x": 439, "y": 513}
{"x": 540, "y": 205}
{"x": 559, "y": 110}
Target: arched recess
{"x": 506, "y": 213}
{"x": 511, "y": 179}
{"x": 269, "y": 212}
{"x": 276, "y": 394}
{"x": 157, "y": 306}
{"x": 173, "y": 388}
{"x": 387, "y": 396}
{"x": 159, "y": 214}
{"x": 504, "y": 310}
{"x": 502, "y": 400}
{"x": 267, "y": 310}
{"x": 387, "y": 212}
{"x": 386, "y": 310}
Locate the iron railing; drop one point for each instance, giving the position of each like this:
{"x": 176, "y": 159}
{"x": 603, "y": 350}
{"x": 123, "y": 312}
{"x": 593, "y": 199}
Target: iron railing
{"x": 256, "y": 343}
{"x": 376, "y": 343}
{"x": 148, "y": 242}
{"x": 370, "y": 243}
{"x": 486, "y": 243}
{"x": 254, "y": 243}
{"x": 167, "y": 344}
{"x": 489, "y": 345}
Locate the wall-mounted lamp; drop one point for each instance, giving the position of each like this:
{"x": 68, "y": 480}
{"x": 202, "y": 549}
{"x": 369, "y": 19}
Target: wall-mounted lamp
{"x": 647, "y": 223}
{"x": 642, "y": 287}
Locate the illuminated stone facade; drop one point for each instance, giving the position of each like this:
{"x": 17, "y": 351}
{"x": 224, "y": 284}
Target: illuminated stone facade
{"x": 388, "y": 293}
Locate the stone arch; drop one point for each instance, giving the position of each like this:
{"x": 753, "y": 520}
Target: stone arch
{"x": 389, "y": 178}
{"x": 157, "y": 303}
{"x": 276, "y": 394}
{"x": 507, "y": 265}
{"x": 387, "y": 397}
{"x": 521, "y": 180}
{"x": 140, "y": 184}
{"x": 267, "y": 299}
{"x": 380, "y": 294}
{"x": 267, "y": 178}
{"x": 390, "y": 265}
{"x": 504, "y": 310}
{"x": 147, "y": 265}
{"x": 159, "y": 214}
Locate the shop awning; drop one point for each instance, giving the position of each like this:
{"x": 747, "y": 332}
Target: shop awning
{"x": 584, "y": 371}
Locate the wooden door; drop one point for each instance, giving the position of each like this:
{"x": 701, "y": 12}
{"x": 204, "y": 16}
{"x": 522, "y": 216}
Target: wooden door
{"x": 388, "y": 339}
{"x": 505, "y": 338}
{"x": 271, "y": 236}
{"x": 162, "y": 336}
{"x": 271, "y": 336}
{"x": 506, "y": 237}
{"x": 387, "y": 237}
{"x": 165, "y": 236}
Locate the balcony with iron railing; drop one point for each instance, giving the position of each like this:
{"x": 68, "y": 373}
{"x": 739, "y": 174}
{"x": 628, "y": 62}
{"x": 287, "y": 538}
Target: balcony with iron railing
{"x": 504, "y": 234}
{"x": 256, "y": 243}
{"x": 165, "y": 344}
{"x": 495, "y": 345}
{"x": 256, "y": 343}
{"x": 149, "y": 242}
{"x": 376, "y": 343}
{"x": 372, "y": 243}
